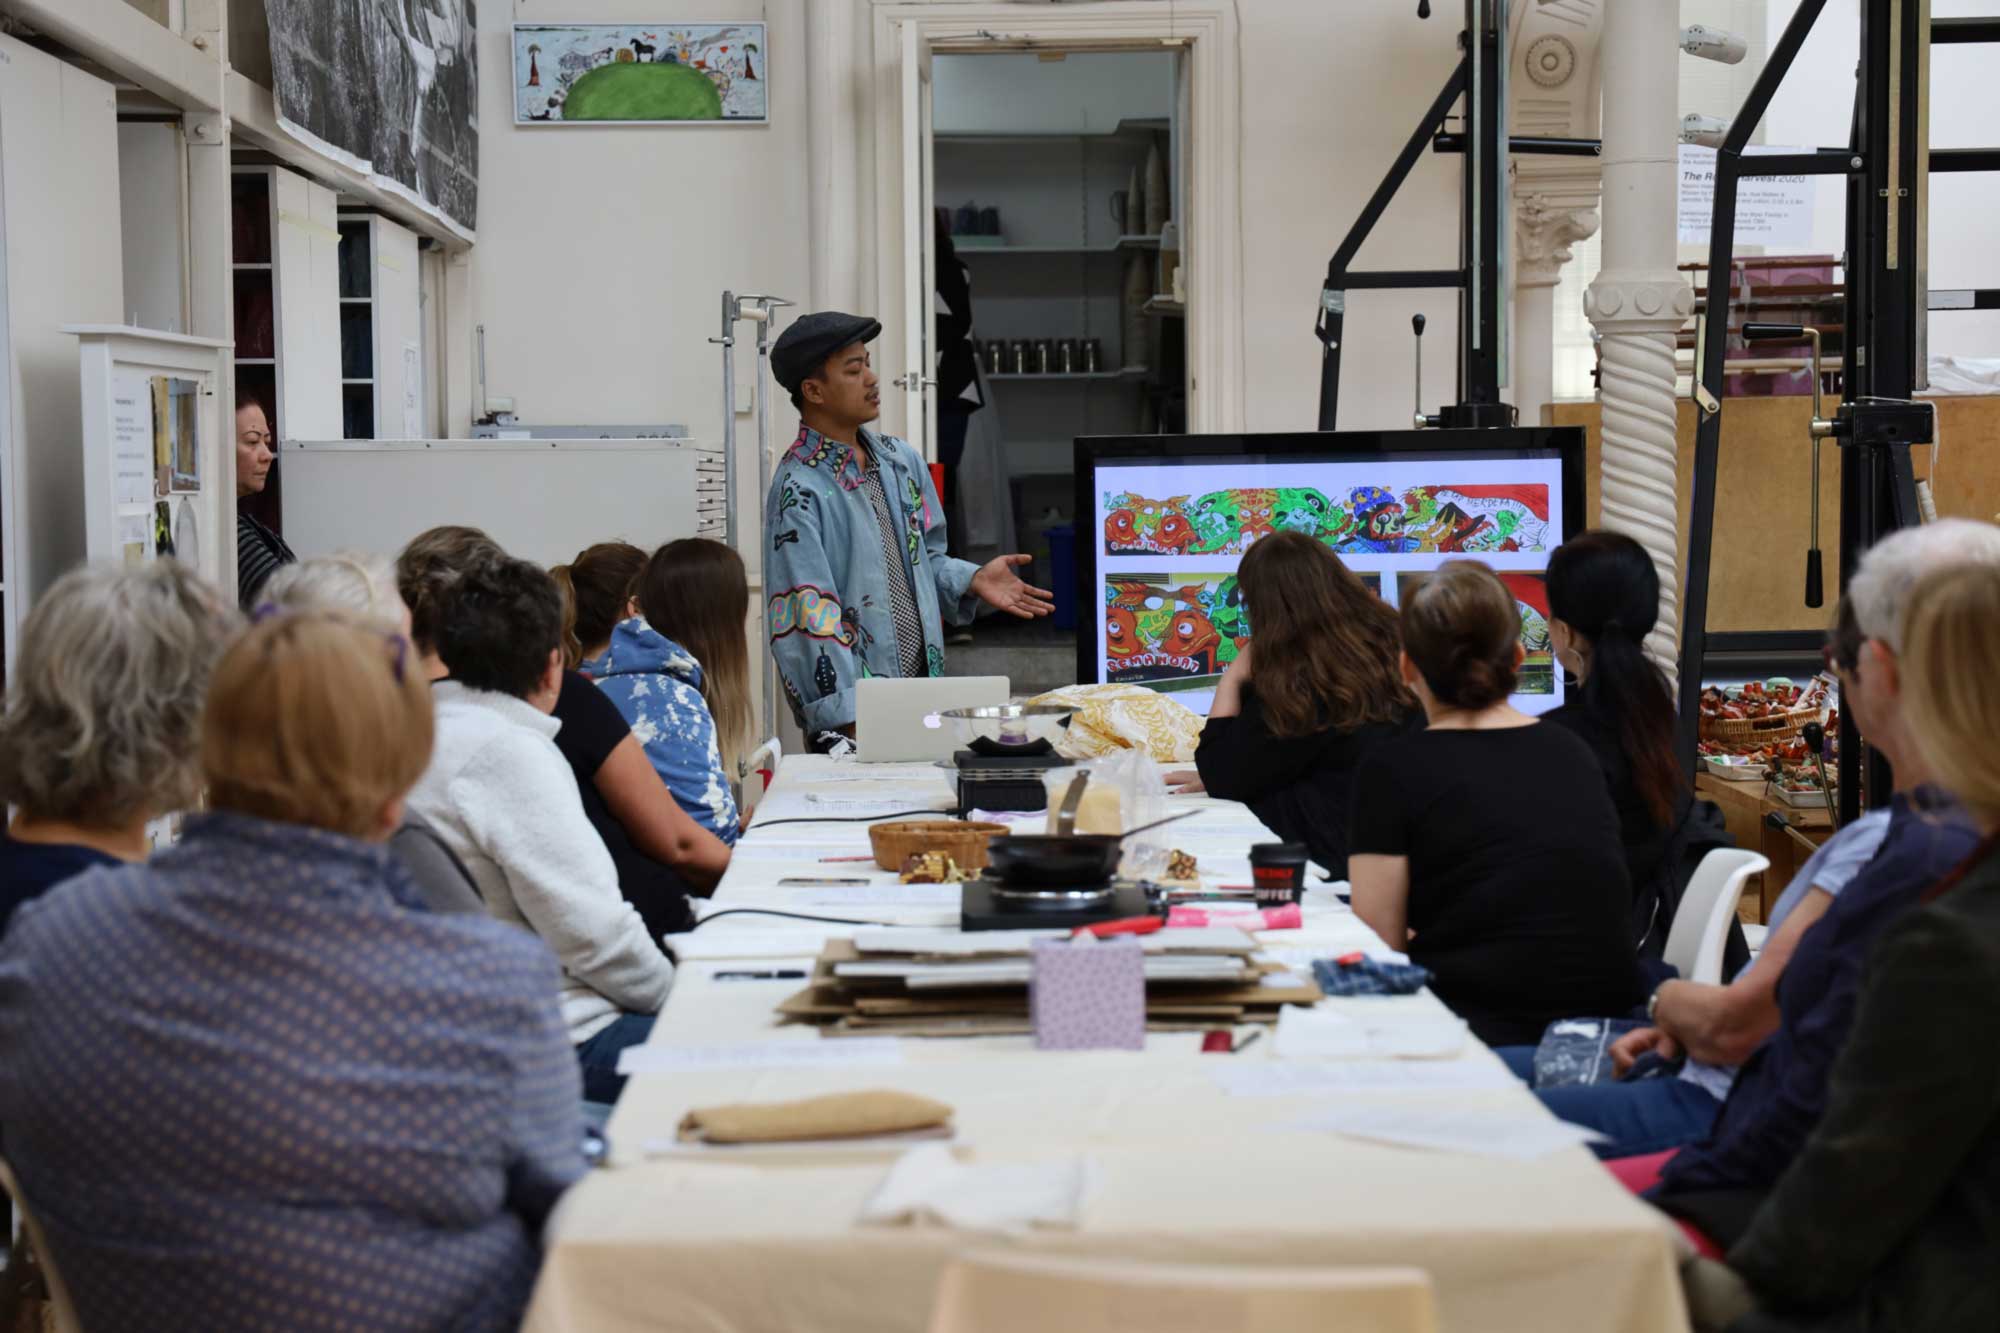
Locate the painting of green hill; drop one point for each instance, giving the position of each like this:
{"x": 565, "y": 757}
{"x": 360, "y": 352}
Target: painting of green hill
{"x": 633, "y": 91}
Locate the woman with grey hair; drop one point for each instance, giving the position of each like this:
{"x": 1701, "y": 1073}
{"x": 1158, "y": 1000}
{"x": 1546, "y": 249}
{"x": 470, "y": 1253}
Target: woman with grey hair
{"x": 345, "y": 581}
{"x": 102, "y": 718}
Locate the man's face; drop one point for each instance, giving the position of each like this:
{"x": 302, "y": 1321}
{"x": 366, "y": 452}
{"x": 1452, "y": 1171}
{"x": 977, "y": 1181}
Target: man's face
{"x": 845, "y": 390}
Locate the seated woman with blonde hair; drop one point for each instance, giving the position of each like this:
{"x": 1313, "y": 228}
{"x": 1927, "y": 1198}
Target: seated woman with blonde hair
{"x": 246, "y": 1078}
{"x": 102, "y": 718}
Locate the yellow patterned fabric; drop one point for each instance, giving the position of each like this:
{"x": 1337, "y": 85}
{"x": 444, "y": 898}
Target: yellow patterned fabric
{"x": 1110, "y": 718}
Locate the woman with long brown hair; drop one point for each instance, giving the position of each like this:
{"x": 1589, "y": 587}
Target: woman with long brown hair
{"x": 1284, "y": 736}
{"x": 679, "y": 672}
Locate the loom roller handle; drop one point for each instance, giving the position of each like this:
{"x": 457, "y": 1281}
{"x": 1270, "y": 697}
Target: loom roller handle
{"x": 1417, "y": 417}
{"x": 1756, "y": 332}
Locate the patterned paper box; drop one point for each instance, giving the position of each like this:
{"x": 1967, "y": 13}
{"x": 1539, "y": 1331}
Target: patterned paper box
{"x": 1089, "y": 996}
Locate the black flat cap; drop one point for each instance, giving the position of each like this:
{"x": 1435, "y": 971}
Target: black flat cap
{"x": 804, "y": 347}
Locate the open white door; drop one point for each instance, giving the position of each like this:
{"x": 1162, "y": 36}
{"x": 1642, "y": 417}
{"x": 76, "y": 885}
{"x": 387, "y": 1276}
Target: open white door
{"x": 917, "y": 375}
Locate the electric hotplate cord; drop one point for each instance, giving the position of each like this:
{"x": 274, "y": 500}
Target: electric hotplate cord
{"x": 796, "y": 916}
{"x": 850, "y": 819}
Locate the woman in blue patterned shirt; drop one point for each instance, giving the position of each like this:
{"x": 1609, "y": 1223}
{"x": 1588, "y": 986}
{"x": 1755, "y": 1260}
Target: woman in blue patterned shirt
{"x": 679, "y": 672}
{"x": 252, "y": 1083}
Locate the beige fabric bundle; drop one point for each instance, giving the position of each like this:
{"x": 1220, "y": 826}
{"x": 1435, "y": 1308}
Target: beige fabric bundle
{"x": 1110, "y": 718}
{"x": 846, "y": 1115}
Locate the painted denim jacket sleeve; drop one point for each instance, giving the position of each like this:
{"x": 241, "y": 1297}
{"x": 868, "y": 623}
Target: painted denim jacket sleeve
{"x": 657, "y": 686}
{"x": 814, "y": 639}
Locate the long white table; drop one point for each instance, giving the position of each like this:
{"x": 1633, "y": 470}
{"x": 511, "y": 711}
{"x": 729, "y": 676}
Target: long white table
{"x": 1185, "y": 1171}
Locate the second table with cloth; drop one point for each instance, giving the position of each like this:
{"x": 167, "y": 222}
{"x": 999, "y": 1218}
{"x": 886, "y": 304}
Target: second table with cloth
{"x": 1181, "y": 1170}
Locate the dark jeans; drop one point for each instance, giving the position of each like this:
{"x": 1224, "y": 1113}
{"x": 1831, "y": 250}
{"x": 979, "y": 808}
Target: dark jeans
{"x": 598, "y": 1055}
{"x": 1649, "y": 1116}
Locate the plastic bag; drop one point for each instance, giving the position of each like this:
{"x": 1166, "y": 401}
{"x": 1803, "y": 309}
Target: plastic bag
{"x": 1141, "y": 797}
{"x": 1110, "y": 718}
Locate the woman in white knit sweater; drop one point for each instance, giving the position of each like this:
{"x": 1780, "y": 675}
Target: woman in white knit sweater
{"x": 502, "y": 797}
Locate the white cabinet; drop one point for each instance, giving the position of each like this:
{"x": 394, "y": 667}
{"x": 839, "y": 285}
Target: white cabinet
{"x": 381, "y": 357}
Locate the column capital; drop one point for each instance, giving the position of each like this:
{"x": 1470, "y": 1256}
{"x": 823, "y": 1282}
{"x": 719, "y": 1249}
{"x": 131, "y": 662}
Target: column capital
{"x": 1544, "y": 230}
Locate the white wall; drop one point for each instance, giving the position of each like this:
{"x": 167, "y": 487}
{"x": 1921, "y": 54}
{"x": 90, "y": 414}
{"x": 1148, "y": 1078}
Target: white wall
{"x": 1812, "y": 107}
{"x": 1021, "y": 93}
{"x": 151, "y": 176}
{"x": 603, "y": 252}
{"x": 59, "y": 145}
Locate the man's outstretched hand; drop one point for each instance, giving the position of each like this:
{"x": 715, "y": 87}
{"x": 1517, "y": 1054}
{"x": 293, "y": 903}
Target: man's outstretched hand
{"x": 997, "y": 585}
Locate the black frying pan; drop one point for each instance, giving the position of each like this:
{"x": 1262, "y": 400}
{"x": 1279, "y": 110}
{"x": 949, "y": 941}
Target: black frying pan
{"x": 1061, "y": 860}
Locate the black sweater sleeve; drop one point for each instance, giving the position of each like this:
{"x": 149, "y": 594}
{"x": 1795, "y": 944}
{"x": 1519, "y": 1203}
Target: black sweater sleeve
{"x": 1240, "y": 760}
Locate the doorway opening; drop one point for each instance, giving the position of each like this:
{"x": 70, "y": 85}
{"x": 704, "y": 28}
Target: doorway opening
{"x": 1058, "y": 184}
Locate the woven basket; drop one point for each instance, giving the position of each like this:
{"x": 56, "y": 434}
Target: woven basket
{"x": 963, "y": 840}
{"x": 1757, "y": 730}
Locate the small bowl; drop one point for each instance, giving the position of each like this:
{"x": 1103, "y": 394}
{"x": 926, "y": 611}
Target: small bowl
{"x": 963, "y": 840}
{"x": 1008, "y": 724}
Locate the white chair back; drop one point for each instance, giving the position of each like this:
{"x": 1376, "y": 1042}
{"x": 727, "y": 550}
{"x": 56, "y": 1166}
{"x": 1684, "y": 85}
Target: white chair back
{"x": 62, "y": 1310}
{"x": 1005, "y": 1291}
{"x": 1701, "y": 925}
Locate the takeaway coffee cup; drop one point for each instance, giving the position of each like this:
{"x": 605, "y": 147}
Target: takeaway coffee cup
{"x": 1278, "y": 870}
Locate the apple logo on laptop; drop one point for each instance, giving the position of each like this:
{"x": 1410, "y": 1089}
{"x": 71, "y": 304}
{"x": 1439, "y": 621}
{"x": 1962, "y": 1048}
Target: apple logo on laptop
{"x": 933, "y": 721}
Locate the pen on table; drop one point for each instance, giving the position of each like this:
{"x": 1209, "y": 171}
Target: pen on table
{"x": 1246, "y": 1043}
{"x": 777, "y": 975}
{"x": 828, "y": 860}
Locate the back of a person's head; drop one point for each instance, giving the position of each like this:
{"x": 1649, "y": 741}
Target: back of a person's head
{"x": 1603, "y": 586}
{"x": 317, "y": 718}
{"x": 498, "y": 621}
{"x": 596, "y": 587}
{"x": 103, "y": 710}
{"x": 1951, "y": 639}
{"x": 1880, "y": 588}
{"x": 1604, "y": 583}
{"x": 1462, "y": 630}
{"x": 695, "y": 592}
{"x": 1323, "y": 643}
{"x": 428, "y": 565}
{"x": 349, "y": 581}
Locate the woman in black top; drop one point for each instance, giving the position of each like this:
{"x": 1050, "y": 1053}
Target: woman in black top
{"x": 1603, "y": 599}
{"x": 1325, "y": 692}
{"x": 259, "y": 551}
{"x": 1486, "y": 845}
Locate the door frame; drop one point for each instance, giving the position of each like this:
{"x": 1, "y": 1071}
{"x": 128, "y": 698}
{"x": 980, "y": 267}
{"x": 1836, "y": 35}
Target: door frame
{"x": 1205, "y": 29}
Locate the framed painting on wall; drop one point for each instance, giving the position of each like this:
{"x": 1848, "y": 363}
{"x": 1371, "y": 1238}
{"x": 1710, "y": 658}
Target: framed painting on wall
{"x": 640, "y": 74}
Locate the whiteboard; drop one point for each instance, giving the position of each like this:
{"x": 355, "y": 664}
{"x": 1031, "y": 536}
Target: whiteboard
{"x": 543, "y": 500}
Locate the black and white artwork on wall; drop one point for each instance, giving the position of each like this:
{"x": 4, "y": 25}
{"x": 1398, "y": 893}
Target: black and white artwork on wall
{"x": 390, "y": 87}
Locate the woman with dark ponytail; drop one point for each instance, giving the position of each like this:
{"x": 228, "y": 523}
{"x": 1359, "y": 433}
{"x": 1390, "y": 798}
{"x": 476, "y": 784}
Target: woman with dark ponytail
{"x": 1486, "y": 845}
{"x": 1603, "y": 599}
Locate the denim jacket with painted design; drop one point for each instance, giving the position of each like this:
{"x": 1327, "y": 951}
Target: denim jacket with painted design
{"x": 827, "y": 609}
{"x": 656, "y": 684}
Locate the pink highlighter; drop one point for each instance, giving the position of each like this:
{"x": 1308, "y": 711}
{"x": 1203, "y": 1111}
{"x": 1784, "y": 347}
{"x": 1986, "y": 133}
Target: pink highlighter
{"x": 1287, "y": 917}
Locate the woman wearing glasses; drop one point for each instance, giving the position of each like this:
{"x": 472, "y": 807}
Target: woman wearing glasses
{"x": 259, "y": 551}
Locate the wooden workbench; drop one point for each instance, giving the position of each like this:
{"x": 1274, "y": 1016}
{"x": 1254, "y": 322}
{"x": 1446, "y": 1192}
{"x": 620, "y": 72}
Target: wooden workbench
{"x": 1745, "y": 807}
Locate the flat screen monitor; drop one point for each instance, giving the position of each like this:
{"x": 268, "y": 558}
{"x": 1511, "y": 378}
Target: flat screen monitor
{"x": 1163, "y": 521}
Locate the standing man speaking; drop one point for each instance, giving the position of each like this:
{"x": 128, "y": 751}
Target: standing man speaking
{"x": 855, "y": 575}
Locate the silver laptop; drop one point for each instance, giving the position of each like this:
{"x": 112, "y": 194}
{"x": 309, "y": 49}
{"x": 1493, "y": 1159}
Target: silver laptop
{"x": 896, "y": 718}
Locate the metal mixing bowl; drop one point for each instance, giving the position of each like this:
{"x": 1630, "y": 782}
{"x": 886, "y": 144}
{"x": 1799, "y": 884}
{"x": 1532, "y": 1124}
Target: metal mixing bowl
{"x": 1008, "y": 724}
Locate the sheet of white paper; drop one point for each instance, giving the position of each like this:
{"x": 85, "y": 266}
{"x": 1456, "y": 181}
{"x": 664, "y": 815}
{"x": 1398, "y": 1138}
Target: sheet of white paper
{"x": 884, "y": 895}
{"x": 1520, "y": 1135}
{"x": 1346, "y": 1034}
{"x": 132, "y": 468}
{"x": 842, "y": 1052}
{"x": 717, "y": 942}
{"x": 1303, "y": 957}
{"x": 927, "y": 1183}
{"x": 1287, "y": 1078}
{"x": 413, "y": 392}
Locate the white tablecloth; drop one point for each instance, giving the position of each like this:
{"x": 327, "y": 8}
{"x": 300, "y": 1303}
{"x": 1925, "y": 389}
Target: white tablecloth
{"x": 1185, "y": 1172}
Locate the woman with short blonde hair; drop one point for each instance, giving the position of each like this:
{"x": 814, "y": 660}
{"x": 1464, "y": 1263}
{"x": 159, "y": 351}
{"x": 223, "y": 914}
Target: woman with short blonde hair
{"x": 1877, "y": 1223}
{"x": 347, "y": 580}
{"x": 350, "y": 1103}
{"x": 102, "y": 716}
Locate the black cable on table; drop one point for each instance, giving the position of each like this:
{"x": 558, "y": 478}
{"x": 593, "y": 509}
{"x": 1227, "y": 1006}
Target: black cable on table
{"x": 796, "y": 916}
{"x": 848, "y": 819}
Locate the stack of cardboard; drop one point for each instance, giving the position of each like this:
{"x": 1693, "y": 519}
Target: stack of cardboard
{"x": 944, "y": 983}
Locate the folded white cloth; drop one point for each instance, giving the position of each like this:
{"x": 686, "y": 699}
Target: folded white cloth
{"x": 929, "y": 1184}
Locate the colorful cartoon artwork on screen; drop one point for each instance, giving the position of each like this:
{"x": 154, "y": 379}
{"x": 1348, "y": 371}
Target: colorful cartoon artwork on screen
{"x": 1537, "y": 674}
{"x": 1368, "y": 520}
{"x": 1168, "y": 628}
